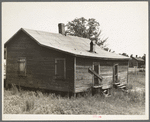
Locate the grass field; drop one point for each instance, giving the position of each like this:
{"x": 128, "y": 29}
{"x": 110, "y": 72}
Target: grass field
{"x": 30, "y": 102}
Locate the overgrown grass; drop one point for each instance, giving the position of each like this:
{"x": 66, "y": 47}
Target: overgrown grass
{"x": 137, "y": 80}
{"x": 120, "y": 103}
{"x": 30, "y": 103}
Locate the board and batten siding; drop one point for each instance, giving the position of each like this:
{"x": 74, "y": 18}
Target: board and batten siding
{"x": 84, "y": 80}
{"x": 40, "y": 65}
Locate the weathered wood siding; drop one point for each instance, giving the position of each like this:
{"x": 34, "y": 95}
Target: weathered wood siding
{"x": 40, "y": 68}
{"x": 84, "y": 79}
{"x": 106, "y": 70}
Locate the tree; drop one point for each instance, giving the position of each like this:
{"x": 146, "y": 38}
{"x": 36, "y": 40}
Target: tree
{"x": 86, "y": 28}
{"x": 131, "y": 55}
{"x": 144, "y": 57}
{"x": 106, "y": 49}
{"x": 124, "y": 54}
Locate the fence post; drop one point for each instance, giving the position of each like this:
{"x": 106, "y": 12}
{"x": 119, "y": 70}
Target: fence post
{"x": 135, "y": 67}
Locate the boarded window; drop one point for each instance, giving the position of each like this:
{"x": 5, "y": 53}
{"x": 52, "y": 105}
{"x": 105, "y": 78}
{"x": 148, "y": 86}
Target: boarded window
{"x": 60, "y": 70}
{"x": 22, "y": 67}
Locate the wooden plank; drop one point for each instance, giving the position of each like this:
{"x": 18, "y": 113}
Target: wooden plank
{"x": 80, "y": 66}
{"x": 99, "y": 86}
{"x": 81, "y": 89}
{"x": 127, "y": 71}
{"x": 82, "y": 71}
{"x": 96, "y": 74}
{"x": 6, "y": 63}
{"x": 74, "y": 74}
{"x": 108, "y": 76}
{"x": 116, "y": 83}
{"x": 83, "y": 85}
{"x": 93, "y": 75}
{"x": 120, "y": 85}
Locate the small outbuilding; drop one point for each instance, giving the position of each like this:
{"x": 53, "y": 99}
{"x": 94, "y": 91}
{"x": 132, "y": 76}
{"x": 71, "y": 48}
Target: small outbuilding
{"x": 136, "y": 61}
{"x": 61, "y": 62}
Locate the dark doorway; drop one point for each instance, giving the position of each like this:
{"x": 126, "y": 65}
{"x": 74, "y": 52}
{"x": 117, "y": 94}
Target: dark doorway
{"x": 115, "y": 73}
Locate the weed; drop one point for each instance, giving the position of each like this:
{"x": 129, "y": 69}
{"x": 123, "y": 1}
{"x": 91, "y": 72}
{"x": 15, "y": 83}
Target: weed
{"x": 129, "y": 86}
{"x": 29, "y": 105}
{"x": 14, "y": 89}
{"x": 120, "y": 103}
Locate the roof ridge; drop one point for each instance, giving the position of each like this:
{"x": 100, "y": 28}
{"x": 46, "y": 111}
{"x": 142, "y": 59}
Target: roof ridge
{"x": 54, "y": 33}
{"x": 38, "y": 30}
{"x": 70, "y": 44}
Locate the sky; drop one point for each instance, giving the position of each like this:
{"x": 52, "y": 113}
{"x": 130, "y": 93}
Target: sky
{"x": 124, "y": 23}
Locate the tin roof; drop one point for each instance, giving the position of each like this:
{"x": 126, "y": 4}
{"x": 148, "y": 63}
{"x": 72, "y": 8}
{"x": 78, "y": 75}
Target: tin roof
{"x": 71, "y": 44}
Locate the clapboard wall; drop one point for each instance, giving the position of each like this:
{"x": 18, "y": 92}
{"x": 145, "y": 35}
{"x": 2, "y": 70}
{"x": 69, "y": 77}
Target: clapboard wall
{"x": 40, "y": 65}
{"x": 84, "y": 79}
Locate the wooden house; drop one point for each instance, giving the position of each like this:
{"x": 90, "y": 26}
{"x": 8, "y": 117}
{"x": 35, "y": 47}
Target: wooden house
{"x": 136, "y": 61}
{"x": 61, "y": 62}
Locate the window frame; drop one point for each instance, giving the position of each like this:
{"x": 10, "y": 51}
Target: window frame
{"x": 18, "y": 68}
{"x": 99, "y": 66}
{"x": 116, "y": 64}
{"x": 56, "y": 75}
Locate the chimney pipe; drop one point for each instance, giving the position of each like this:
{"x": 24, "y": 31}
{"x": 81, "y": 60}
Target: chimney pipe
{"x": 92, "y": 46}
{"x": 61, "y": 28}
{"x": 136, "y": 56}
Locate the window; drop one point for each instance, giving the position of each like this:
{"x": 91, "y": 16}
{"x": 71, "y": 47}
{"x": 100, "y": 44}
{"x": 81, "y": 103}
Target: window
{"x": 60, "y": 68}
{"x": 22, "y": 66}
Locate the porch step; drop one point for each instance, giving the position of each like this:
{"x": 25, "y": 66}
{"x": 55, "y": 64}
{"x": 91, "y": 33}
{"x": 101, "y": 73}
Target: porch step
{"x": 121, "y": 85}
{"x": 117, "y": 83}
{"x": 104, "y": 87}
{"x": 97, "y": 86}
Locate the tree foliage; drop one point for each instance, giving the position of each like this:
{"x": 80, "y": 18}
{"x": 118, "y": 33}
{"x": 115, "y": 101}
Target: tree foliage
{"x": 144, "y": 57}
{"x": 86, "y": 28}
{"x": 124, "y": 54}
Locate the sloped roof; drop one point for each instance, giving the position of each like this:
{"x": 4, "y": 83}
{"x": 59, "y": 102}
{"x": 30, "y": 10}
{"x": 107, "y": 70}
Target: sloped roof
{"x": 138, "y": 59}
{"x": 70, "y": 44}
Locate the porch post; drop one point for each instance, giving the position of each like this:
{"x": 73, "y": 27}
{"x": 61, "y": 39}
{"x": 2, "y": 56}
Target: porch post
{"x": 127, "y": 71}
{"x": 74, "y": 92}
